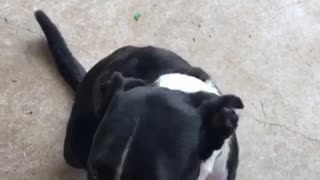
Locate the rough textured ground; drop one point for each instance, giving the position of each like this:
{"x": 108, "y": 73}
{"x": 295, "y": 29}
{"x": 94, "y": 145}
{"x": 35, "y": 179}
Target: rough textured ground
{"x": 265, "y": 51}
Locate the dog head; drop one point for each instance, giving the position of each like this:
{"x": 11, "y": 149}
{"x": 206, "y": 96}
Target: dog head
{"x": 218, "y": 111}
{"x": 219, "y": 117}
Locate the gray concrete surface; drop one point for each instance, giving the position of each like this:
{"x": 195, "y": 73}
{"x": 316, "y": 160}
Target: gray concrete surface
{"x": 265, "y": 51}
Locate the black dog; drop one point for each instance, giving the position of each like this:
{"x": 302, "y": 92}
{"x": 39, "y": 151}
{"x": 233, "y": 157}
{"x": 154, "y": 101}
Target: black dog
{"x": 160, "y": 134}
{"x": 141, "y": 66}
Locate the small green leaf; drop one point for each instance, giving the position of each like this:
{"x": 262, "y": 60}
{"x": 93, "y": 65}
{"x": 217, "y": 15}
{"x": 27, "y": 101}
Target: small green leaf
{"x": 137, "y": 16}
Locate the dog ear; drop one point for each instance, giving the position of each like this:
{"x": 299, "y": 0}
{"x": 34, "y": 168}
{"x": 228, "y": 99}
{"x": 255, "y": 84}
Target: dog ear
{"x": 130, "y": 83}
{"x": 201, "y": 98}
{"x": 231, "y": 101}
{"x": 110, "y": 85}
{"x": 219, "y": 121}
{"x": 119, "y": 83}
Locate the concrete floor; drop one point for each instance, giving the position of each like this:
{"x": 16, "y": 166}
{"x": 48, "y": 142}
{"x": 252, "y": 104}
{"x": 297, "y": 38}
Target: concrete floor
{"x": 265, "y": 51}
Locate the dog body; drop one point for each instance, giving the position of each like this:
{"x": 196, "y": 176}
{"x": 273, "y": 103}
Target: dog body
{"x": 149, "y": 133}
{"x": 141, "y": 66}
{"x": 92, "y": 96}
{"x": 157, "y": 133}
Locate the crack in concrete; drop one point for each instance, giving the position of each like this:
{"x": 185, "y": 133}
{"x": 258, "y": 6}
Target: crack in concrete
{"x": 257, "y": 120}
{"x": 272, "y": 124}
{"x": 20, "y": 28}
{"x": 263, "y": 110}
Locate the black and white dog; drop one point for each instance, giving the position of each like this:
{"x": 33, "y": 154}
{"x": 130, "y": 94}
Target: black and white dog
{"x": 157, "y": 133}
{"x": 179, "y": 92}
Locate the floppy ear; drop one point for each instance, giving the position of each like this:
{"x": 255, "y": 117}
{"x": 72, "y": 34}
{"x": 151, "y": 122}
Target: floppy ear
{"x": 219, "y": 121}
{"x": 119, "y": 83}
{"x": 113, "y": 84}
{"x": 130, "y": 83}
{"x": 231, "y": 101}
{"x": 116, "y": 83}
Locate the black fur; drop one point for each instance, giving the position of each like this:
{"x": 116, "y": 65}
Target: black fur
{"x": 233, "y": 158}
{"x": 163, "y": 131}
{"x": 134, "y": 66}
{"x": 146, "y": 63}
{"x": 219, "y": 122}
{"x": 69, "y": 67}
{"x": 164, "y": 128}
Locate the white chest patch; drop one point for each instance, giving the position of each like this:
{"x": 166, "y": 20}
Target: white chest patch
{"x": 185, "y": 83}
{"x": 215, "y": 167}
{"x": 206, "y": 167}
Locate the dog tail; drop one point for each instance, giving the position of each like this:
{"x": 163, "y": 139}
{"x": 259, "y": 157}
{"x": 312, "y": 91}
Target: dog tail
{"x": 70, "y": 69}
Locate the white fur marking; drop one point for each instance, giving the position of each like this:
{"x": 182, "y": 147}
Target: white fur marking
{"x": 209, "y": 82}
{"x": 124, "y": 156}
{"x": 207, "y": 166}
{"x": 220, "y": 171}
{"x": 185, "y": 83}
{"x": 215, "y": 167}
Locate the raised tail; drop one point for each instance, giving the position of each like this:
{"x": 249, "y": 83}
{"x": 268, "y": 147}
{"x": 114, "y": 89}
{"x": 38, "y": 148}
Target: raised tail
{"x": 71, "y": 70}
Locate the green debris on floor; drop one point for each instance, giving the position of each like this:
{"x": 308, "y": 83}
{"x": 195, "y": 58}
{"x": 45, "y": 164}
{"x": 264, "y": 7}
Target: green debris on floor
{"x": 137, "y": 16}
